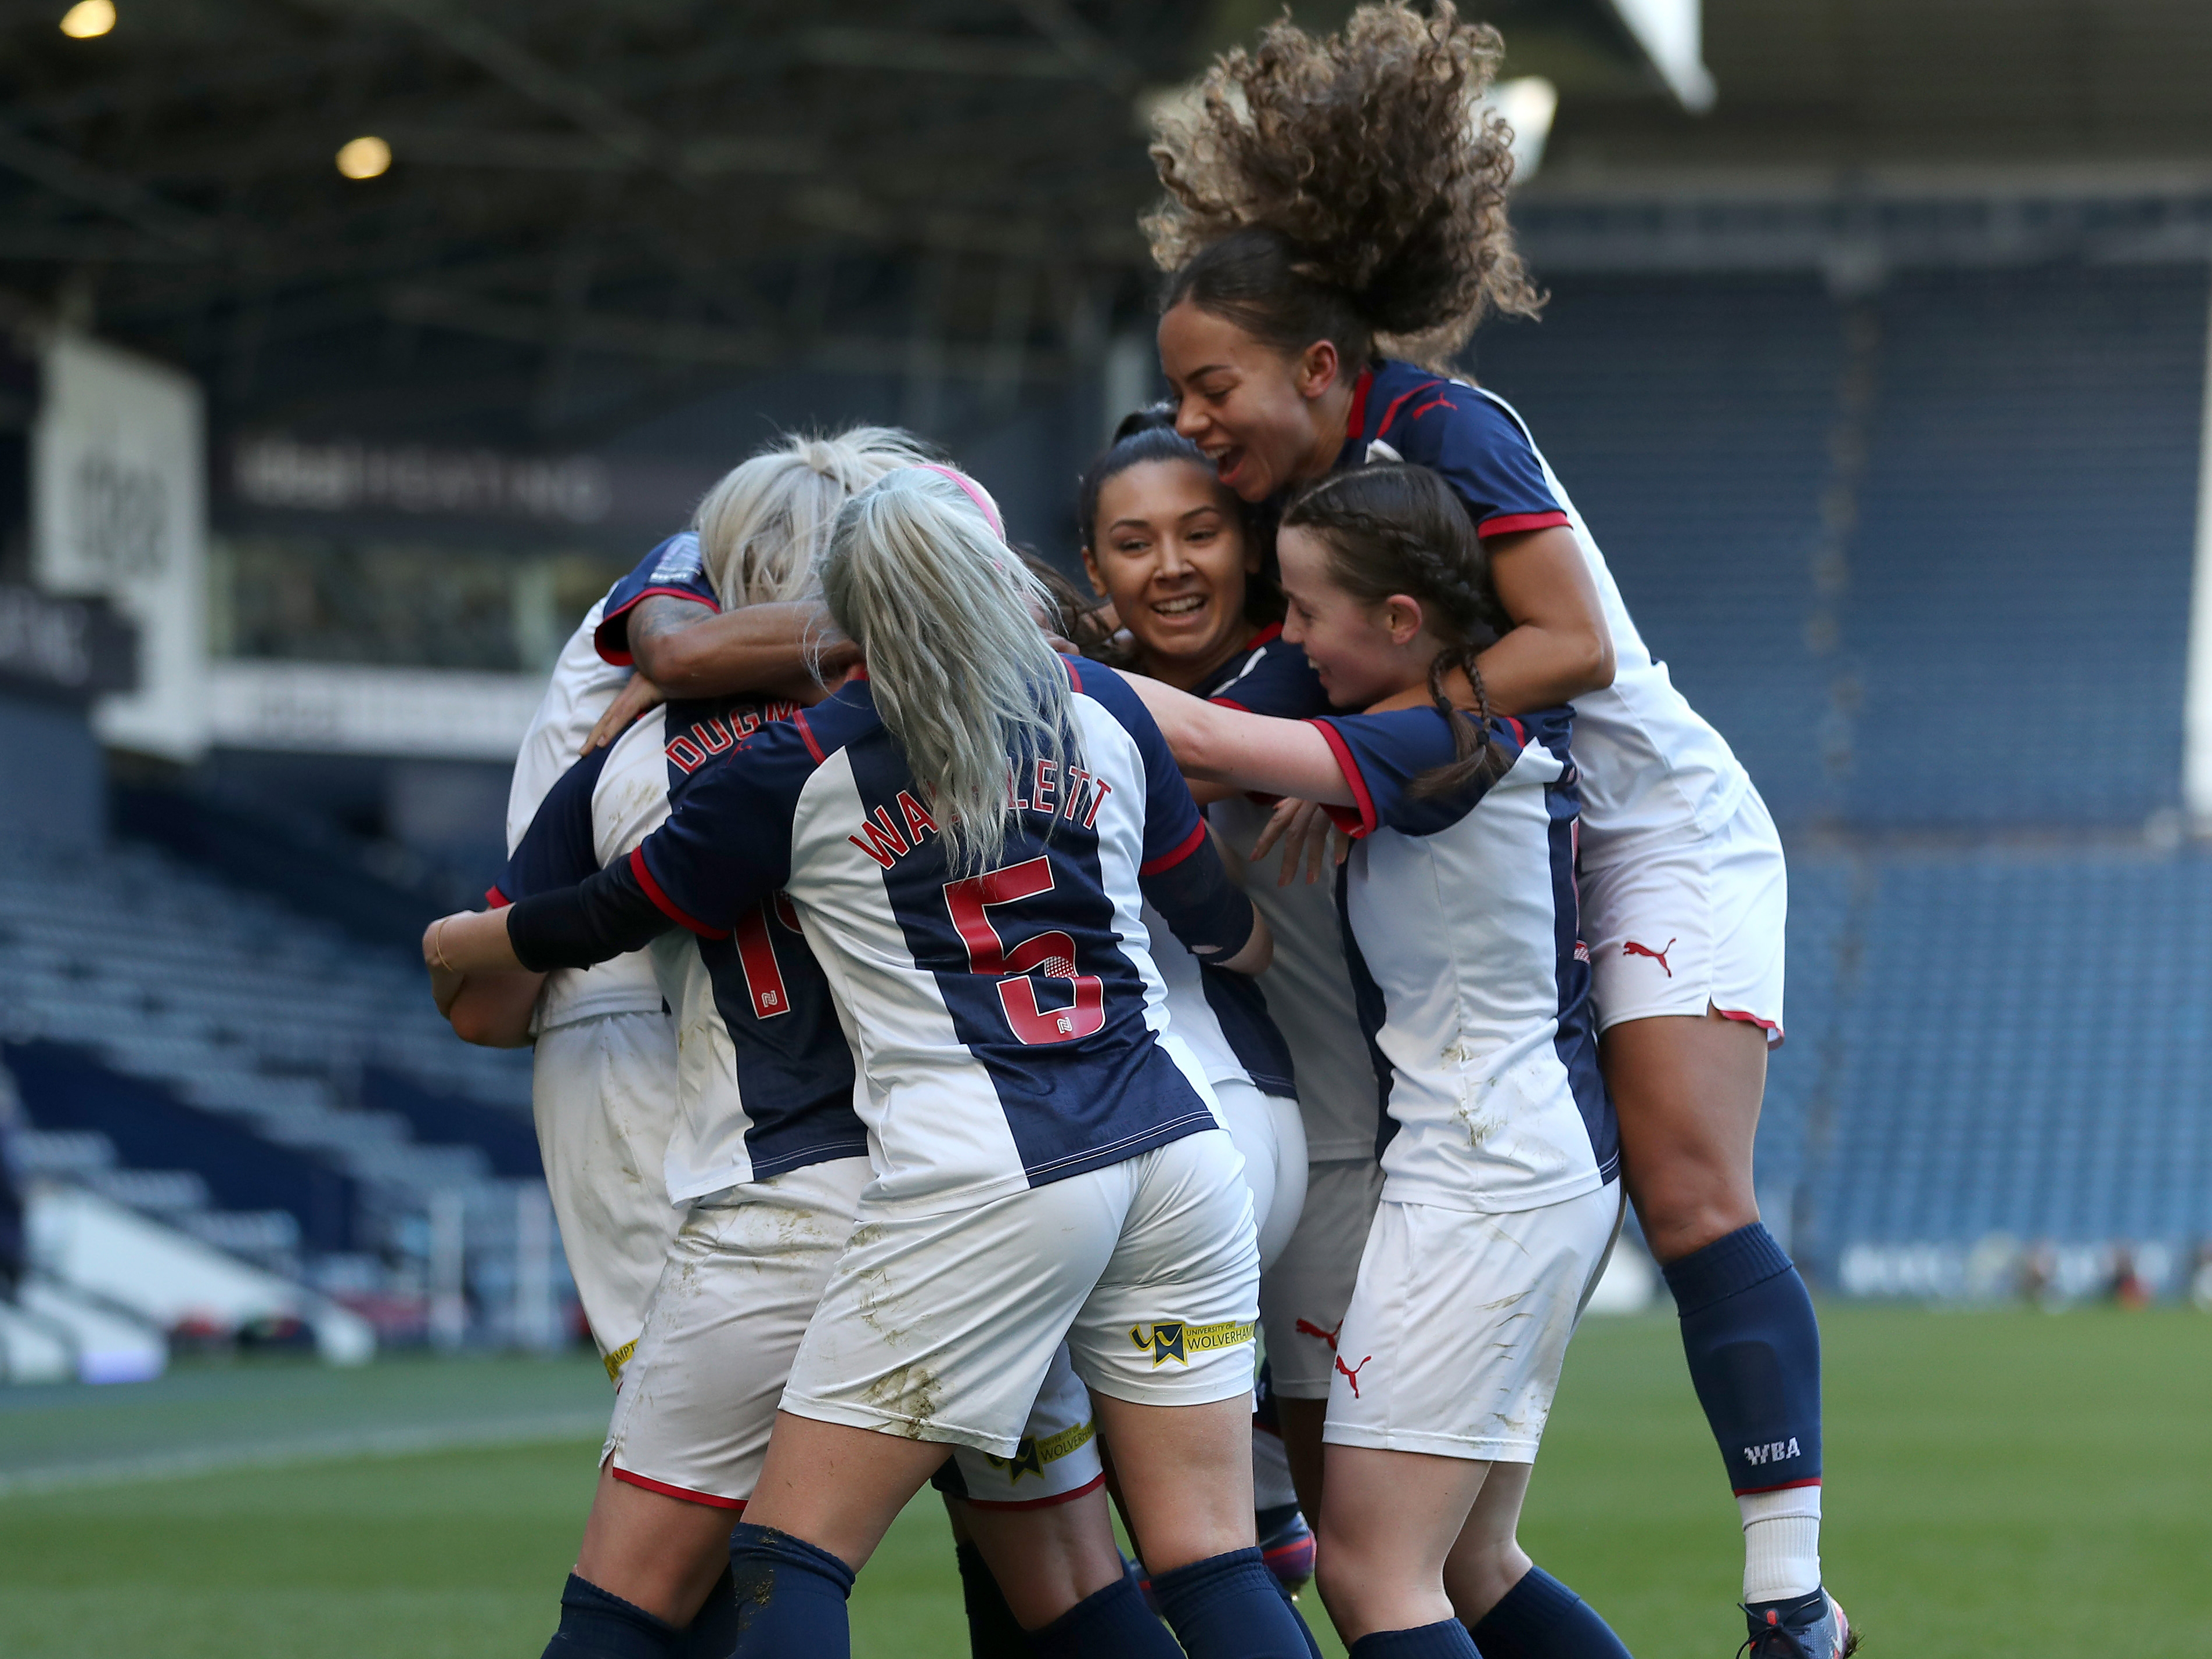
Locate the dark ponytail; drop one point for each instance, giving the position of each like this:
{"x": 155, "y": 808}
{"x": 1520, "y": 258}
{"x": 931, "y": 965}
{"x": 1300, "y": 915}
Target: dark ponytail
{"x": 1398, "y": 529}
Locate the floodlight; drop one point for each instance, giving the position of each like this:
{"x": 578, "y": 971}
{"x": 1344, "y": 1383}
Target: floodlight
{"x": 1528, "y": 104}
{"x": 364, "y": 158}
{"x": 87, "y": 18}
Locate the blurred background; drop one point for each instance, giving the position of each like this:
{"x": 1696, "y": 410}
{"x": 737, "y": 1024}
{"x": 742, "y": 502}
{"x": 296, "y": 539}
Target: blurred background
{"x": 348, "y": 349}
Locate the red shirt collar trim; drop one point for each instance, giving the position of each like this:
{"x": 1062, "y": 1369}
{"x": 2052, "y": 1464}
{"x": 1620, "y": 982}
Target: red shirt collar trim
{"x": 1355, "y": 424}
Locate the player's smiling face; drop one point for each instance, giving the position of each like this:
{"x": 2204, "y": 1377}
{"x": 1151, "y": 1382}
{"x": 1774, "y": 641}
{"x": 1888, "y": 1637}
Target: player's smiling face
{"x": 1169, "y": 549}
{"x": 1261, "y": 416}
{"x": 1362, "y": 652}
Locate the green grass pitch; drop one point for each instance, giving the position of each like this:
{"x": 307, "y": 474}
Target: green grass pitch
{"x": 1997, "y": 1482}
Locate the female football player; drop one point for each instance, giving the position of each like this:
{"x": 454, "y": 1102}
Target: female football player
{"x": 1330, "y": 196}
{"x": 1179, "y": 556}
{"x": 1500, "y": 1198}
{"x": 967, "y": 835}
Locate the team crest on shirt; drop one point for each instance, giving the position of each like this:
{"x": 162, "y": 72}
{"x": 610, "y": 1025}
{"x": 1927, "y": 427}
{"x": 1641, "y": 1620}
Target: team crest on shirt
{"x": 1172, "y": 1338}
{"x": 1033, "y": 1453}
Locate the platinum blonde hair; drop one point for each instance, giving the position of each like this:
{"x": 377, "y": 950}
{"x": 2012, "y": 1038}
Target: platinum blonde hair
{"x": 965, "y": 680}
{"x": 761, "y": 528}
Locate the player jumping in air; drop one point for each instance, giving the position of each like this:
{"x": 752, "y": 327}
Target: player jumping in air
{"x": 967, "y": 835}
{"x": 1332, "y": 196}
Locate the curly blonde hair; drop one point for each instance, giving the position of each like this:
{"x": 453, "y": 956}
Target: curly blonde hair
{"x": 1346, "y": 187}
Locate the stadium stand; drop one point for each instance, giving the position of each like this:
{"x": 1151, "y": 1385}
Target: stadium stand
{"x": 207, "y": 1055}
{"x": 1996, "y": 1008}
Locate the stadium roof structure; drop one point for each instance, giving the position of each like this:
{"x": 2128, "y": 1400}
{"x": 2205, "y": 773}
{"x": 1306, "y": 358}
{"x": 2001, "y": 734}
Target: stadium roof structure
{"x": 575, "y": 208}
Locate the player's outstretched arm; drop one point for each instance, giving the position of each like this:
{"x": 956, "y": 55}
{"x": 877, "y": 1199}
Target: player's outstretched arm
{"x": 772, "y": 649}
{"x": 493, "y": 1010}
{"x": 1248, "y": 751}
{"x": 1558, "y": 647}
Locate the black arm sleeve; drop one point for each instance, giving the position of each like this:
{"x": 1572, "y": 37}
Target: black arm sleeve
{"x": 1203, "y": 908}
{"x": 607, "y": 915}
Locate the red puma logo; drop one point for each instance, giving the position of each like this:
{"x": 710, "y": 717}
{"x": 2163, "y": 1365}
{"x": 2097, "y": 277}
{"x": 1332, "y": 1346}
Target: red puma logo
{"x": 1351, "y": 1372}
{"x": 1307, "y": 1327}
{"x": 1631, "y": 948}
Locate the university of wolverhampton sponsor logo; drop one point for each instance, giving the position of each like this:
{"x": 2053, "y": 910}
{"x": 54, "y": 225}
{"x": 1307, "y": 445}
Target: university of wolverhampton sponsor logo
{"x": 1034, "y": 1453}
{"x": 1172, "y": 1339}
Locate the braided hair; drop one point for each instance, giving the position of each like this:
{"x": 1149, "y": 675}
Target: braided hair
{"x": 1398, "y": 529}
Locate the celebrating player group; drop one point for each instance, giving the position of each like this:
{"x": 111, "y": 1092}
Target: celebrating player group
{"x": 982, "y": 1029}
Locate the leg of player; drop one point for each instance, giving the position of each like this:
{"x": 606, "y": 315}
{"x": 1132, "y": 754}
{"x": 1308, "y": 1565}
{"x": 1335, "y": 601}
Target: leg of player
{"x": 826, "y": 1494}
{"x": 1513, "y": 1608}
{"x": 1688, "y": 1092}
{"x": 1387, "y": 1526}
{"x": 1185, "y": 1473}
{"x": 657, "y": 1553}
{"x": 994, "y": 1632}
{"x": 1065, "y": 1581}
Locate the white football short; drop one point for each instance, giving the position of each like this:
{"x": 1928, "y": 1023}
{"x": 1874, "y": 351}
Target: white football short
{"x": 603, "y": 1091}
{"x": 942, "y": 1326}
{"x": 1456, "y": 1334}
{"x": 1057, "y": 1459}
{"x": 1303, "y": 1294}
{"x": 1676, "y": 926}
{"x": 740, "y": 1282}
{"x": 1271, "y": 1137}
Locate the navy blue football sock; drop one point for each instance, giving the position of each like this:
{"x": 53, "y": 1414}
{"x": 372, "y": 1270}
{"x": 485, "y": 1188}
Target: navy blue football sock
{"x": 1229, "y": 1607}
{"x": 1313, "y": 1646}
{"x": 1540, "y": 1618}
{"x": 1755, "y": 1351}
{"x": 713, "y": 1632}
{"x": 597, "y": 1625}
{"x": 790, "y": 1597}
{"x": 992, "y": 1631}
{"x": 1446, "y": 1640}
{"x": 1106, "y": 1624}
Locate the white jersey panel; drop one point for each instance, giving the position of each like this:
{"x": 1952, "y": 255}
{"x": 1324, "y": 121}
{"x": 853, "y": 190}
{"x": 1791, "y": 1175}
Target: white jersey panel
{"x": 1649, "y": 763}
{"x": 583, "y": 688}
{"x": 1458, "y": 930}
{"x": 1189, "y": 1016}
{"x": 1308, "y": 993}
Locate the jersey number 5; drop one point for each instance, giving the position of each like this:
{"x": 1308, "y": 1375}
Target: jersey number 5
{"x": 1049, "y": 955}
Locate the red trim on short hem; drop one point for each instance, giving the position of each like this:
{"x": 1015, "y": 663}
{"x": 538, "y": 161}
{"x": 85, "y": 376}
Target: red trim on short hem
{"x": 1775, "y": 1035}
{"x": 1355, "y": 425}
{"x": 1089, "y": 1486}
{"x": 684, "y": 1493}
{"x": 667, "y": 906}
{"x": 1512, "y": 523}
{"x": 1169, "y": 860}
{"x": 495, "y": 899}
{"x": 1786, "y": 1486}
{"x": 626, "y": 659}
{"x": 813, "y": 748}
{"x": 1367, "y": 823}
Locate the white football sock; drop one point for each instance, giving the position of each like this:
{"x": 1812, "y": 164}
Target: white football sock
{"x": 1781, "y": 1543}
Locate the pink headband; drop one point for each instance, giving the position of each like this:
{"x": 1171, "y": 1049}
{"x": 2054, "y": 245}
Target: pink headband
{"x": 975, "y": 493}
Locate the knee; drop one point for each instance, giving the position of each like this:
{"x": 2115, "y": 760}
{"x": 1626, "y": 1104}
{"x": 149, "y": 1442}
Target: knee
{"x": 1481, "y": 1576}
{"x": 1685, "y": 1204}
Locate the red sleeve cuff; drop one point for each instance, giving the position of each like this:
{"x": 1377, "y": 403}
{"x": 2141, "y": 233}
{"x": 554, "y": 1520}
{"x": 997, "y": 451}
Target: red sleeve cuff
{"x": 495, "y": 900}
{"x": 667, "y": 906}
{"x": 1183, "y": 850}
{"x": 1512, "y": 523}
{"x": 609, "y": 638}
{"x": 1359, "y": 819}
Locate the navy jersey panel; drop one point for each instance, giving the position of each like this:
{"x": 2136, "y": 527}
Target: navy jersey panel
{"x": 1576, "y": 1041}
{"x": 673, "y": 569}
{"x": 1464, "y": 434}
{"x": 1383, "y": 755}
{"x": 558, "y": 849}
{"x": 1270, "y": 676}
{"x": 794, "y": 1066}
{"x": 1090, "y": 1086}
{"x": 726, "y": 845}
{"x": 1374, "y": 1011}
{"x": 1249, "y": 1029}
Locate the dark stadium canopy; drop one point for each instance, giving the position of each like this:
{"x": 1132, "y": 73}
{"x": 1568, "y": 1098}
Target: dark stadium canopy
{"x": 593, "y": 207}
